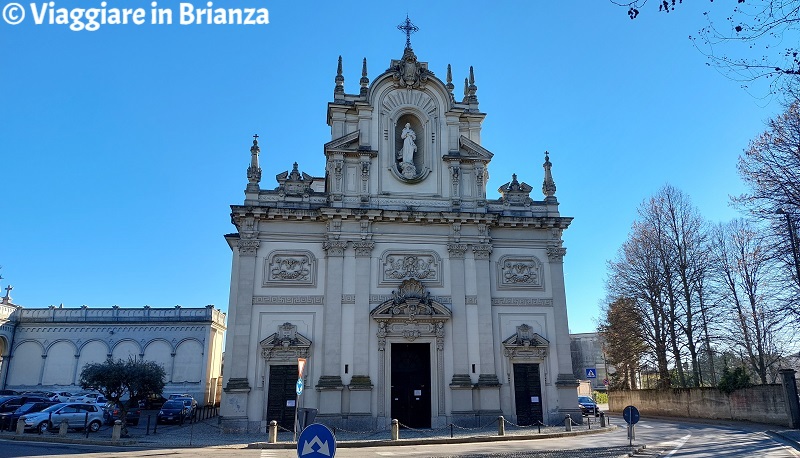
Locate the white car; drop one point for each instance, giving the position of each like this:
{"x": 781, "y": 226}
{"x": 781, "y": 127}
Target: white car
{"x": 93, "y": 398}
{"x": 61, "y": 396}
{"x": 76, "y": 414}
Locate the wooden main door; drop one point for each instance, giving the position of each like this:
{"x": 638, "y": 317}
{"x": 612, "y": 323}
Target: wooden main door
{"x": 528, "y": 394}
{"x": 411, "y": 384}
{"x": 281, "y": 395}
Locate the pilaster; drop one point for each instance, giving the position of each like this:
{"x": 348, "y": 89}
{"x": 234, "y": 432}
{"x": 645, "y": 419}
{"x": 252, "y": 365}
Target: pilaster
{"x": 330, "y": 383}
{"x": 566, "y": 383}
{"x": 240, "y": 318}
{"x": 461, "y": 384}
{"x": 360, "y": 384}
{"x": 488, "y": 383}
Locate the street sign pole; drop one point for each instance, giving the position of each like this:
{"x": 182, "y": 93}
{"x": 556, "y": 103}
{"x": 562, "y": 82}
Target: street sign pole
{"x": 301, "y": 364}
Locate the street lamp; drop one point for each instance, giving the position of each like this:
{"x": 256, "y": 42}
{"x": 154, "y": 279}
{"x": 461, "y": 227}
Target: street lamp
{"x": 792, "y": 240}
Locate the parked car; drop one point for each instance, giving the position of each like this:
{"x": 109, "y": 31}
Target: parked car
{"x": 173, "y": 411}
{"x": 588, "y": 407}
{"x": 189, "y": 402}
{"x": 8, "y": 393}
{"x": 8, "y": 420}
{"x": 12, "y": 403}
{"x": 178, "y": 395}
{"x": 114, "y": 410}
{"x": 73, "y": 412}
{"x": 59, "y": 396}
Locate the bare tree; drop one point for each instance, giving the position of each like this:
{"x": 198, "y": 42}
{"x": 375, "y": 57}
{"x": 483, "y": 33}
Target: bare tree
{"x": 635, "y": 274}
{"x": 745, "y": 40}
{"x": 744, "y": 272}
{"x": 770, "y": 167}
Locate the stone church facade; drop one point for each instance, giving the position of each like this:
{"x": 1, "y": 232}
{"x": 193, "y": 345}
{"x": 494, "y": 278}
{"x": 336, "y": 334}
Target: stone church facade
{"x": 411, "y": 294}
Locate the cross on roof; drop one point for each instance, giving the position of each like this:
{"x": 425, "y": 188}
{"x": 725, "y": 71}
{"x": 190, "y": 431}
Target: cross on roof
{"x": 255, "y": 136}
{"x": 408, "y": 28}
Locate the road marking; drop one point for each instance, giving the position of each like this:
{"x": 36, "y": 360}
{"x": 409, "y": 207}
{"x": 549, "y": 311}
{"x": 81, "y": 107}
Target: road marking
{"x": 680, "y": 443}
{"x": 268, "y": 454}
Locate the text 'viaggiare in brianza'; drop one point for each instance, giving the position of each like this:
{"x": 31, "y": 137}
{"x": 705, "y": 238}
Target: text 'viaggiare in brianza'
{"x": 92, "y": 18}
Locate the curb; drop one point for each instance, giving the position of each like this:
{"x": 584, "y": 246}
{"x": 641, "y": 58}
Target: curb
{"x": 69, "y": 440}
{"x": 436, "y": 441}
{"x": 785, "y": 439}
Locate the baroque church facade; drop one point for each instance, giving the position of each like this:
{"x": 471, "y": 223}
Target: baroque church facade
{"x": 411, "y": 295}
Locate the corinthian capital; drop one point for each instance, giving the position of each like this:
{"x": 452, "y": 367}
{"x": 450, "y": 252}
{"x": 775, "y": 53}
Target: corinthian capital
{"x": 457, "y": 250}
{"x": 248, "y": 247}
{"x": 482, "y": 250}
{"x": 555, "y": 253}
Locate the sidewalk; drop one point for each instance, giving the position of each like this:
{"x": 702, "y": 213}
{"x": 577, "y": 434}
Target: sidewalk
{"x": 207, "y": 433}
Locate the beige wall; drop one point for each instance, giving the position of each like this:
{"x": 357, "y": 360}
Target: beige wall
{"x": 760, "y": 404}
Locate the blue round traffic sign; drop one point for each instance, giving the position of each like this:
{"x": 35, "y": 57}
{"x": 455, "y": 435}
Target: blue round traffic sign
{"x": 316, "y": 441}
{"x": 631, "y": 415}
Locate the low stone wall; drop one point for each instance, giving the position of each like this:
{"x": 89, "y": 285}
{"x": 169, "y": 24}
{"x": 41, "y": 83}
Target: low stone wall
{"x": 761, "y": 404}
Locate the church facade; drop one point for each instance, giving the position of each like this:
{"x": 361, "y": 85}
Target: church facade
{"x": 410, "y": 294}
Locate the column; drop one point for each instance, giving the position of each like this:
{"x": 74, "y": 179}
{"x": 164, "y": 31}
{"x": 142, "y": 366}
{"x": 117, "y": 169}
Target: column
{"x": 240, "y": 319}
{"x": 566, "y": 384}
{"x": 360, "y": 384}
{"x": 330, "y": 382}
{"x": 488, "y": 384}
{"x": 461, "y": 385}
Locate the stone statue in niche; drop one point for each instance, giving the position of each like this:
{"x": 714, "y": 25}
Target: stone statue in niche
{"x": 406, "y": 153}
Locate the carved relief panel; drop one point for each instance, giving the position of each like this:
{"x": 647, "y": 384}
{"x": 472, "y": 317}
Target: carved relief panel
{"x": 290, "y": 268}
{"x": 403, "y": 265}
{"x": 520, "y": 272}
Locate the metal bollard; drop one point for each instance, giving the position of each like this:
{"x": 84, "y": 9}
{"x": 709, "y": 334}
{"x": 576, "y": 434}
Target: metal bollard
{"x": 20, "y": 426}
{"x": 273, "y": 432}
{"x": 117, "y": 431}
{"x": 602, "y": 420}
{"x": 62, "y": 428}
{"x": 501, "y": 426}
{"x": 568, "y": 423}
{"x": 395, "y": 429}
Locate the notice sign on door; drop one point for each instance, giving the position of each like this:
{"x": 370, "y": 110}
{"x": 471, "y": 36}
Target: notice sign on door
{"x": 534, "y": 398}
{"x": 290, "y": 403}
{"x": 417, "y": 392}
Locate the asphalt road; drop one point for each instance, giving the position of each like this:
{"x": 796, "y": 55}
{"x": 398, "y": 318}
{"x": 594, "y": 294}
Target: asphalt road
{"x": 663, "y": 438}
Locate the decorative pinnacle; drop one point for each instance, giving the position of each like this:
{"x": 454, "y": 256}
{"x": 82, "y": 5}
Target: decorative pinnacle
{"x": 472, "y": 88}
{"x": 549, "y": 186}
{"x": 408, "y": 28}
{"x": 466, "y": 88}
{"x": 449, "y": 85}
{"x": 364, "y": 80}
{"x": 339, "y": 79}
{"x": 254, "y": 171}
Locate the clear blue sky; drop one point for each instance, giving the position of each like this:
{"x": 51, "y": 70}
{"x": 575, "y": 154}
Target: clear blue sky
{"x": 122, "y": 149}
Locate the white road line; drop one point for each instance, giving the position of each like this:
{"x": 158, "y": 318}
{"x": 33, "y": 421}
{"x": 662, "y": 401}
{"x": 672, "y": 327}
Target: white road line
{"x": 680, "y": 443}
{"x": 268, "y": 454}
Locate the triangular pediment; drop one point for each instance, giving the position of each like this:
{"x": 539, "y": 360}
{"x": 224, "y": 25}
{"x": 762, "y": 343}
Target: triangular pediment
{"x": 469, "y": 148}
{"x": 525, "y": 337}
{"x": 347, "y": 142}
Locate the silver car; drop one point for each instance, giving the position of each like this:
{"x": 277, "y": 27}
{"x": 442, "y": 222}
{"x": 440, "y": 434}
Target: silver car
{"x": 77, "y": 414}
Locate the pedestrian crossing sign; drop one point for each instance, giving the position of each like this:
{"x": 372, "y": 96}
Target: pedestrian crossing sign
{"x": 591, "y": 373}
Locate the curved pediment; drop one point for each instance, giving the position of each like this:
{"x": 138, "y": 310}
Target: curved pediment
{"x": 411, "y": 301}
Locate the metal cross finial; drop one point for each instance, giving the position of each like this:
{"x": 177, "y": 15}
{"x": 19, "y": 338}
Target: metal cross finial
{"x": 408, "y": 28}
{"x": 255, "y": 136}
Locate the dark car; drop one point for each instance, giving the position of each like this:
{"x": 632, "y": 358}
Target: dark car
{"x": 173, "y": 411}
{"x": 8, "y": 420}
{"x": 8, "y": 393}
{"x": 588, "y": 407}
{"x": 113, "y": 412}
{"x": 189, "y": 402}
{"x": 12, "y": 403}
